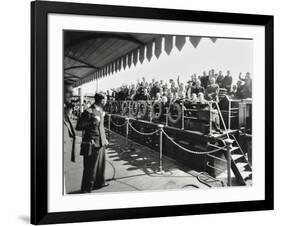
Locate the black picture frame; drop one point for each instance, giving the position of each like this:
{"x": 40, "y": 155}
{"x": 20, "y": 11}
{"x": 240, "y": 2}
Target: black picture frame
{"x": 39, "y": 112}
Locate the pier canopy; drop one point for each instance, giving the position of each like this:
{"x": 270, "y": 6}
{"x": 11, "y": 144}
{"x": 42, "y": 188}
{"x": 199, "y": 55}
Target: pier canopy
{"x": 92, "y": 55}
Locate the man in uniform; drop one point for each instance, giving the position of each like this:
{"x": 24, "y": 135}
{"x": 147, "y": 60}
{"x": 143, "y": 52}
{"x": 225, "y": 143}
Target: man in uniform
{"x": 93, "y": 145}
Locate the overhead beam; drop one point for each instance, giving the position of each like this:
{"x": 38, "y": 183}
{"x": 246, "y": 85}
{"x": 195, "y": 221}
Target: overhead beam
{"x": 71, "y": 75}
{"x": 70, "y": 79}
{"x": 126, "y": 37}
{"x": 80, "y": 66}
{"x": 81, "y": 61}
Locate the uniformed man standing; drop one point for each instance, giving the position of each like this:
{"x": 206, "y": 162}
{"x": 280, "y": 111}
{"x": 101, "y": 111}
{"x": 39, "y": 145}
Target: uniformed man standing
{"x": 93, "y": 145}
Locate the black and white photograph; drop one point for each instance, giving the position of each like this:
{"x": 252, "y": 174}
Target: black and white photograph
{"x": 140, "y": 112}
{"x": 146, "y": 112}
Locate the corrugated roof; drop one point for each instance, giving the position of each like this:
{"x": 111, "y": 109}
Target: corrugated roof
{"x": 88, "y": 55}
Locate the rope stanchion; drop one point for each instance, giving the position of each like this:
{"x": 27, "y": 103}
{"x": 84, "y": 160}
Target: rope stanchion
{"x": 167, "y": 116}
{"x": 160, "y": 127}
{"x": 161, "y": 171}
{"x": 127, "y": 149}
{"x": 127, "y": 135}
{"x": 127, "y": 131}
{"x": 108, "y": 126}
{"x": 182, "y": 116}
{"x": 210, "y": 120}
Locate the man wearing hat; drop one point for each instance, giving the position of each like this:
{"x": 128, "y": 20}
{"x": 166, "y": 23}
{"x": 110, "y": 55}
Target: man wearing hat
{"x": 93, "y": 145}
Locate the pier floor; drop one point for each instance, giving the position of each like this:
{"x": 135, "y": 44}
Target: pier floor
{"x": 134, "y": 167}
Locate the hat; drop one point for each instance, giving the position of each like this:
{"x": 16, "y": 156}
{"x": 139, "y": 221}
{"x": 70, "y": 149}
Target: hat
{"x": 98, "y": 97}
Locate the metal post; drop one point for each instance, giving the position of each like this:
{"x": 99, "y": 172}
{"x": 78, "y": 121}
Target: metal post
{"x": 127, "y": 131}
{"x": 160, "y": 128}
{"x": 80, "y": 93}
{"x": 229, "y": 114}
{"x": 130, "y": 108}
{"x": 97, "y": 85}
{"x": 150, "y": 115}
{"x": 127, "y": 149}
{"x": 167, "y": 116}
{"x": 210, "y": 119}
{"x": 182, "y": 117}
{"x": 228, "y": 143}
{"x": 108, "y": 125}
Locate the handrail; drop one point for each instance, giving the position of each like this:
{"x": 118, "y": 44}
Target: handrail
{"x": 223, "y": 123}
{"x": 240, "y": 148}
{"x": 218, "y": 158}
{"x": 209, "y": 165}
{"x": 218, "y": 147}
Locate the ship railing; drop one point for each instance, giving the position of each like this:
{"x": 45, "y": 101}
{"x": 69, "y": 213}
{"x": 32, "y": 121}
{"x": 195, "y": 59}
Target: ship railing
{"x": 161, "y": 132}
{"x": 184, "y": 116}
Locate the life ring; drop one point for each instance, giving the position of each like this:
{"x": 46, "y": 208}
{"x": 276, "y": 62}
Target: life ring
{"x": 157, "y": 110}
{"x": 175, "y": 110}
{"x": 124, "y": 107}
{"x": 142, "y": 108}
{"x": 134, "y": 108}
{"x": 129, "y": 106}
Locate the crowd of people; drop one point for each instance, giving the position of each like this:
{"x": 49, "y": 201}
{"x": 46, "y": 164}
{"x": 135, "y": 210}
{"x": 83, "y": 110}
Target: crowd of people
{"x": 199, "y": 88}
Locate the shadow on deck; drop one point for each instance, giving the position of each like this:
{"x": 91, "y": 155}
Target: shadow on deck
{"x": 136, "y": 168}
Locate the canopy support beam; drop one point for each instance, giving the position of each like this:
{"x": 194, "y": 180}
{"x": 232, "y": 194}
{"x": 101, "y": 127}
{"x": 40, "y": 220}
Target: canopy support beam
{"x": 80, "y": 66}
{"x": 126, "y": 37}
{"x": 81, "y": 61}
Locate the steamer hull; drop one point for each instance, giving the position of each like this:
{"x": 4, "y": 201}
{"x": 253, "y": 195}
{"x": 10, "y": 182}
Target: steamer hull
{"x": 194, "y": 131}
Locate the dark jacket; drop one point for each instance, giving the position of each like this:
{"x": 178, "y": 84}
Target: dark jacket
{"x": 197, "y": 90}
{"x": 226, "y": 83}
{"x": 154, "y": 90}
{"x": 68, "y": 137}
{"x": 204, "y": 81}
{"x": 94, "y": 132}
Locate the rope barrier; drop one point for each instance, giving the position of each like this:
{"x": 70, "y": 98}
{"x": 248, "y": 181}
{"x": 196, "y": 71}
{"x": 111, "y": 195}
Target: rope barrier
{"x": 187, "y": 150}
{"x": 170, "y": 138}
{"x": 144, "y": 134}
{"x": 117, "y": 124}
{"x": 161, "y": 132}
